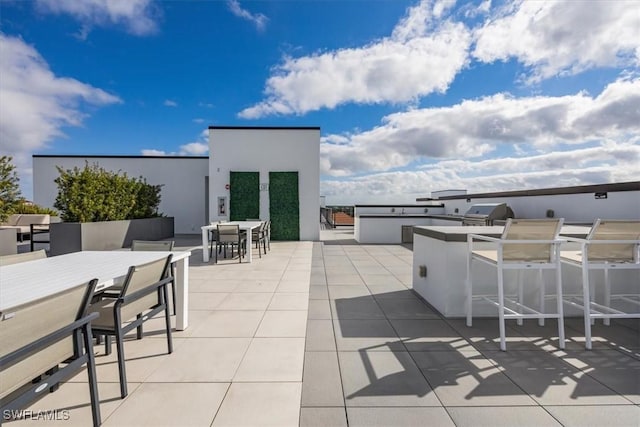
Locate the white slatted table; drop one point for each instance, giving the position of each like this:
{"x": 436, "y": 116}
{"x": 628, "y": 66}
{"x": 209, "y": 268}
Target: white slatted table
{"x": 31, "y": 280}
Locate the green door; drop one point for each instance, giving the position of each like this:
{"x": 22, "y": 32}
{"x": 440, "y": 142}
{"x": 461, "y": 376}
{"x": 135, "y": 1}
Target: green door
{"x": 284, "y": 205}
{"x": 244, "y": 195}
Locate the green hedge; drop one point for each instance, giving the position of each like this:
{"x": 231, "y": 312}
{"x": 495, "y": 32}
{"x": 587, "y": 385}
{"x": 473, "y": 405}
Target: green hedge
{"x": 244, "y": 195}
{"x": 95, "y": 194}
{"x": 284, "y": 205}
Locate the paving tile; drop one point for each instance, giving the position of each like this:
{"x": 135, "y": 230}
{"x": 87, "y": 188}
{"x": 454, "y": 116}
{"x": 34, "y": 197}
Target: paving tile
{"x": 272, "y": 359}
{"x": 406, "y": 309}
{"x": 606, "y": 336}
{"x": 383, "y": 378}
{"x": 398, "y": 417}
{"x": 466, "y": 378}
{"x": 257, "y": 286}
{"x": 186, "y": 364}
{"x": 260, "y": 404}
{"x": 364, "y": 307}
{"x": 289, "y": 301}
{"x": 323, "y": 417}
{"x": 494, "y": 416}
{"x": 187, "y": 405}
{"x": 596, "y": 415}
{"x": 484, "y": 335}
{"x": 344, "y": 279}
{"x": 428, "y": 335}
{"x": 319, "y": 309}
{"x": 283, "y": 324}
{"x": 392, "y": 292}
{"x": 206, "y": 300}
{"x": 318, "y": 292}
{"x": 348, "y": 291}
{"x": 293, "y": 286}
{"x": 609, "y": 367}
{"x": 551, "y": 381}
{"x": 321, "y": 384}
{"x": 381, "y": 279}
{"x": 232, "y": 323}
{"x": 320, "y": 335}
{"x": 301, "y": 276}
{"x": 246, "y": 301}
{"x": 210, "y": 285}
{"x": 72, "y": 404}
{"x": 142, "y": 357}
{"x": 369, "y": 335}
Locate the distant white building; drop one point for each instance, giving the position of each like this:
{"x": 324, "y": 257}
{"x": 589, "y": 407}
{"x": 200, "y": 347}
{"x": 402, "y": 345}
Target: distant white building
{"x": 194, "y": 187}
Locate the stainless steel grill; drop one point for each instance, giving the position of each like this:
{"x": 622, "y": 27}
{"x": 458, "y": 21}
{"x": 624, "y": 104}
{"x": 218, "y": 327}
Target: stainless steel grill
{"x": 487, "y": 213}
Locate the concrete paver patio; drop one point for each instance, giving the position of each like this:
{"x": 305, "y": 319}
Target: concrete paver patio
{"x": 330, "y": 334}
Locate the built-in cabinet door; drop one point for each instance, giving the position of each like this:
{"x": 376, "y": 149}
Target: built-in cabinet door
{"x": 284, "y": 205}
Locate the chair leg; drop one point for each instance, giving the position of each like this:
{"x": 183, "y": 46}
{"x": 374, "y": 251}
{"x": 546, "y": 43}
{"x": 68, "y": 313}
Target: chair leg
{"x": 121, "y": 366}
{"x": 542, "y": 308}
{"x": 503, "y": 340}
{"x": 607, "y": 295}
{"x": 587, "y": 307}
{"x": 519, "y": 321}
{"x": 167, "y": 319}
{"x": 559, "y": 304}
{"x": 91, "y": 374}
{"x": 139, "y": 332}
{"x": 469, "y": 286}
{"x": 107, "y": 344}
{"x": 173, "y": 288}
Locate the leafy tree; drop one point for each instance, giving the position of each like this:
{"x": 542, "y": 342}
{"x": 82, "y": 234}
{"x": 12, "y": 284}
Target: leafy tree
{"x": 10, "y": 196}
{"x": 95, "y": 194}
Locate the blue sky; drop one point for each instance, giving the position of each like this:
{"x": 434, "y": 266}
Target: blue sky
{"x": 411, "y": 96}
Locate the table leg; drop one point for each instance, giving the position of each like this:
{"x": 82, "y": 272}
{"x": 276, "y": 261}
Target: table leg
{"x": 249, "y": 232}
{"x": 182, "y": 294}
{"x": 205, "y": 245}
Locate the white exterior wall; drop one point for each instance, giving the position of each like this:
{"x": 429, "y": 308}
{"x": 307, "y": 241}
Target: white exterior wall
{"x": 267, "y": 150}
{"x": 383, "y": 224}
{"x": 183, "y": 179}
{"x": 582, "y": 207}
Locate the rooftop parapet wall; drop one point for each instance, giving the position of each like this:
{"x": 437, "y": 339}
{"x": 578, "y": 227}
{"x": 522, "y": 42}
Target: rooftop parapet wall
{"x": 582, "y": 204}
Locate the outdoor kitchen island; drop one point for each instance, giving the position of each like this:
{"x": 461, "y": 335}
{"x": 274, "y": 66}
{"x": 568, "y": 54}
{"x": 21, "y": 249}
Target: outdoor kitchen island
{"x": 443, "y": 251}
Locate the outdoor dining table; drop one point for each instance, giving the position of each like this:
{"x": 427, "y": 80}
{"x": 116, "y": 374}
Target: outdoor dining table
{"x": 32, "y": 280}
{"x": 243, "y": 225}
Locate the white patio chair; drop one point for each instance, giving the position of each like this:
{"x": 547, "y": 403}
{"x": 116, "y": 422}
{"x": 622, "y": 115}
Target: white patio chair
{"x": 610, "y": 245}
{"x": 526, "y": 244}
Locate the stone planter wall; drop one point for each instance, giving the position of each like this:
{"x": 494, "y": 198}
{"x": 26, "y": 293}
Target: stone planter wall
{"x": 69, "y": 237}
{"x": 8, "y": 245}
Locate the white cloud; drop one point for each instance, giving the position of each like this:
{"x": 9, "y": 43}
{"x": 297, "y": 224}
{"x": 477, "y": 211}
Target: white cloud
{"x": 170, "y": 103}
{"x": 595, "y": 165}
{"x": 36, "y": 104}
{"x": 196, "y": 148}
{"x": 198, "y": 120}
{"x": 559, "y": 37}
{"x": 258, "y": 19}
{"x": 478, "y": 127}
{"x": 422, "y": 56}
{"x": 137, "y": 16}
{"x": 153, "y": 152}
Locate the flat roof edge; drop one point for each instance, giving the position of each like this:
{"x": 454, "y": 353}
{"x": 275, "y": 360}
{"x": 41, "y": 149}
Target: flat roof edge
{"x": 107, "y": 156}
{"x": 267, "y": 127}
{"x": 592, "y": 188}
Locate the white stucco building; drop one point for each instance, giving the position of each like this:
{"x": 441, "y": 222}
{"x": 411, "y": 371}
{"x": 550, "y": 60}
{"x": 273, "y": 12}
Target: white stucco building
{"x": 192, "y": 186}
